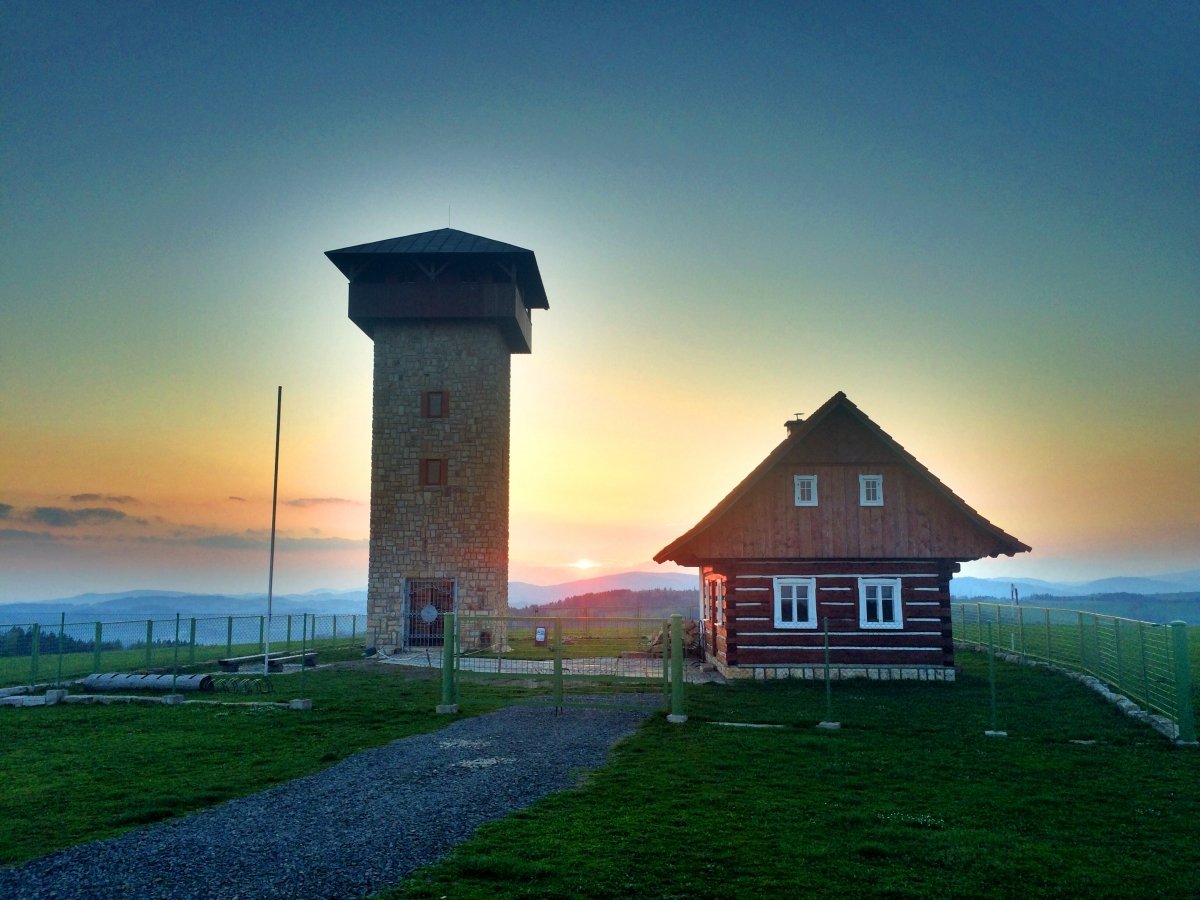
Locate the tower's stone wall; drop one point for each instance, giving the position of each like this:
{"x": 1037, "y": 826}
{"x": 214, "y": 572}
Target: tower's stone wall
{"x": 458, "y": 530}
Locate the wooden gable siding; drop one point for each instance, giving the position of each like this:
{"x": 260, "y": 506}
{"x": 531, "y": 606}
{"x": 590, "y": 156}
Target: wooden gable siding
{"x": 749, "y": 636}
{"x": 916, "y": 521}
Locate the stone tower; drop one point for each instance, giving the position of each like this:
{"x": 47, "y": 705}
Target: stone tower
{"x": 445, "y": 310}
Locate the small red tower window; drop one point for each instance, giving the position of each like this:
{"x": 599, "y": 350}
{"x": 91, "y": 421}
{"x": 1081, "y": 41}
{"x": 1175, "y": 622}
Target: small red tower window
{"x": 435, "y": 404}
{"x": 433, "y": 472}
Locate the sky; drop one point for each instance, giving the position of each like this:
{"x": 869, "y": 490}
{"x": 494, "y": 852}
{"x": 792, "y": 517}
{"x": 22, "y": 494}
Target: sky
{"x": 979, "y": 220}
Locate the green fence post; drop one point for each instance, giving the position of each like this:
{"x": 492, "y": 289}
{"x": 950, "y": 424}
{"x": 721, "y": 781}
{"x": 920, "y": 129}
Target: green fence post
{"x": 149, "y": 641}
{"x": 1021, "y": 630}
{"x": 1049, "y": 655}
{"x": 262, "y": 624}
{"x": 993, "y": 731}
{"x": 1183, "y": 684}
{"x": 35, "y": 646}
{"x": 175, "y": 656}
{"x": 229, "y": 636}
{"x": 354, "y": 628}
{"x": 448, "y": 706}
{"x": 303, "y": 658}
{"x": 677, "y": 715}
{"x": 192, "y": 643}
{"x": 828, "y": 682}
{"x": 664, "y": 641}
{"x": 1117, "y": 653}
{"x": 288, "y": 643}
{"x": 1145, "y": 674}
{"x": 558, "y": 683}
{"x": 1082, "y": 647}
{"x": 62, "y": 627}
{"x": 334, "y": 635}
{"x": 97, "y": 643}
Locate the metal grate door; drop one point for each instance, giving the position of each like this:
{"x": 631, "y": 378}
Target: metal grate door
{"x": 428, "y": 599}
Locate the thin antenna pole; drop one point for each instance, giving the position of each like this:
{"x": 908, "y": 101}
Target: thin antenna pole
{"x": 274, "y": 504}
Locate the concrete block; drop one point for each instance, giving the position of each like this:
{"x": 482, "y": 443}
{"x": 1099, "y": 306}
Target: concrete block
{"x": 173, "y": 699}
{"x": 54, "y": 696}
{"x": 305, "y": 704}
{"x": 446, "y": 709}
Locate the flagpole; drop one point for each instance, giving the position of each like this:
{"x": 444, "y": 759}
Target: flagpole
{"x": 271, "y": 566}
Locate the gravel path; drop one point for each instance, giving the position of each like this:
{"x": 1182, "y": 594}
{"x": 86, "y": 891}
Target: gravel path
{"x": 349, "y": 831}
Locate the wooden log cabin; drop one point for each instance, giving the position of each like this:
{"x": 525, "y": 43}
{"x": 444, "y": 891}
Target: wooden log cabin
{"x": 838, "y": 527}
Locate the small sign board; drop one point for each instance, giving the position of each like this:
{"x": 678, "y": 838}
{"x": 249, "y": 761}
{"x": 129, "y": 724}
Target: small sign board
{"x": 429, "y": 614}
{"x": 539, "y": 636}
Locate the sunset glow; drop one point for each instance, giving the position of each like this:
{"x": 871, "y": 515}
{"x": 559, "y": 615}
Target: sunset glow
{"x": 979, "y": 222}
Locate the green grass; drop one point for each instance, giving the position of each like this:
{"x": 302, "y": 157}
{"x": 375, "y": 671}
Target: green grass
{"x": 909, "y": 798}
{"x": 77, "y": 773}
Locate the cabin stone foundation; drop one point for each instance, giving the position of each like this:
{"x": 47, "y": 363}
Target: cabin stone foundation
{"x": 836, "y": 672}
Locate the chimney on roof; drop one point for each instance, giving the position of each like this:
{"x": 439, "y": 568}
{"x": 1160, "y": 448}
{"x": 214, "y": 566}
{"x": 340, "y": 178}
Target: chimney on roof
{"x": 792, "y": 424}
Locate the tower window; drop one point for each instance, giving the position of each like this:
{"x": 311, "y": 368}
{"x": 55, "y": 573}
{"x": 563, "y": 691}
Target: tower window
{"x": 433, "y": 472}
{"x": 435, "y": 405}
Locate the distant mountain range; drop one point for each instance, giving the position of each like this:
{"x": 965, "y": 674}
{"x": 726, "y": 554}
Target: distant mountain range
{"x": 1116, "y": 595}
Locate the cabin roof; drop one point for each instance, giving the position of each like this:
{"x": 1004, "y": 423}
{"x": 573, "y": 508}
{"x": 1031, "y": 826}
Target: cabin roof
{"x": 797, "y": 432}
{"x": 444, "y": 244}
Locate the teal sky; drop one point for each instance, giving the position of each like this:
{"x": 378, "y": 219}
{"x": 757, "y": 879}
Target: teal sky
{"x": 980, "y": 220}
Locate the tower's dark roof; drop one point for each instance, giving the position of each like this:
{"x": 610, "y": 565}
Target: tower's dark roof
{"x": 449, "y": 241}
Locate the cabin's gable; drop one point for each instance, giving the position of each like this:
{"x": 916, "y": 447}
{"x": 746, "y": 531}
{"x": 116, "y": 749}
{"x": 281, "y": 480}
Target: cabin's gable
{"x": 917, "y": 517}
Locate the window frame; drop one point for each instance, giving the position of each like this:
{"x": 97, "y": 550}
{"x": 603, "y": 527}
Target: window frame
{"x": 896, "y": 623}
{"x": 863, "y": 482}
{"x": 811, "y": 480}
{"x": 427, "y": 474}
{"x": 427, "y": 402}
{"x": 715, "y": 586}
{"x": 779, "y": 581}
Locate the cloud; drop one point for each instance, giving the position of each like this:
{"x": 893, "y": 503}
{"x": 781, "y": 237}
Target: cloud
{"x": 319, "y": 501}
{"x": 57, "y": 517}
{"x": 16, "y": 534}
{"x": 106, "y": 498}
{"x": 238, "y": 499}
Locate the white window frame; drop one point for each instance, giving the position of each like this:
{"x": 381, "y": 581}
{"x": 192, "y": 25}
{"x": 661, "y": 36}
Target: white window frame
{"x": 865, "y": 585}
{"x": 780, "y": 581}
{"x": 811, "y": 481}
{"x": 714, "y": 586}
{"x": 863, "y": 482}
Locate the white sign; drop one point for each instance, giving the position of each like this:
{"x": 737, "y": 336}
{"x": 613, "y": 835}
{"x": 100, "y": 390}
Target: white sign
{"x": 429, "y": 614}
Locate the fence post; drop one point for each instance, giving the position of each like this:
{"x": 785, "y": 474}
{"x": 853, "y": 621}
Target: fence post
{"x": 1082, "y": 649}
{"x": 288, "y": 640}
{"x": 993, "y": 731}
{"x": 262, "y": 620}
{"x": 558, "y": 683}
{"x": 1183, "y": 684}
{"x": 97, "y": 642}
{"x": 62, "y": 627}
{"x": 175, "y": 655}
{"x": 663, "y": 643}
{"x": 1117, "y": 653}
{"x": 334, "y": 634}
{"x": 1020, "y": 630}
{"x": 192, "y": 643}
{"x": 229, "y": 636}
{"x": 303, "y": 657}
{"x": 149, "y": 641}
{"x": 35, "y": 646}
{"x": 1145, "y": 673}
{"x": 677, "y": 715}
{"x": 828, "y": 684}
{"x": 1049, "y": 655}
{"x": 354, "y": 628}
{"x": 448, "y": 706}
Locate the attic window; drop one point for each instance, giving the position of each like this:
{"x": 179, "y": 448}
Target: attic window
{"x": 870, "y": 490}
{"x": 806, "y": 490}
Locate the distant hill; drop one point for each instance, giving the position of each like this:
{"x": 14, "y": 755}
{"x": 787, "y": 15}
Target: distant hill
{"x": 521, "y": 593}
{"x": 1175, "y": 583}
{"x": 656, "y": 603}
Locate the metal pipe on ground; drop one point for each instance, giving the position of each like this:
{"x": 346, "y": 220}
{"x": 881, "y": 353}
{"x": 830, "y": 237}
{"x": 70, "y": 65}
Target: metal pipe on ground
{"x": 120, "y": 681}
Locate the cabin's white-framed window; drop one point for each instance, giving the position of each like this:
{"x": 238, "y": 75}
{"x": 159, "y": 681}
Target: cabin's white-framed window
{"x": 714, "y": 587}
{"x": 795, "y": 602}
{"x": 879, "y": 604}
{"x": 870, "y": 490}
{"x": 806, "y": 490}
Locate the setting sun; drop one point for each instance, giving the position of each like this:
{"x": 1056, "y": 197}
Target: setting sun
{"x": 585, "y": 564}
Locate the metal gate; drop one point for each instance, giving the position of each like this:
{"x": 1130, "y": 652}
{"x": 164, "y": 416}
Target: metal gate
{"x": 428, "y": 599}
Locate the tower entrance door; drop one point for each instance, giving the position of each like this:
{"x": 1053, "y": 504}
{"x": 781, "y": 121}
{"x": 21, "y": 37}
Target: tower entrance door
{"x": 428, "y": 599}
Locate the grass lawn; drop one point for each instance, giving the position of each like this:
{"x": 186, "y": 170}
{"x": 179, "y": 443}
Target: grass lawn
{"x": 909, "y": 798}
{"x": 77, "y": 773}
